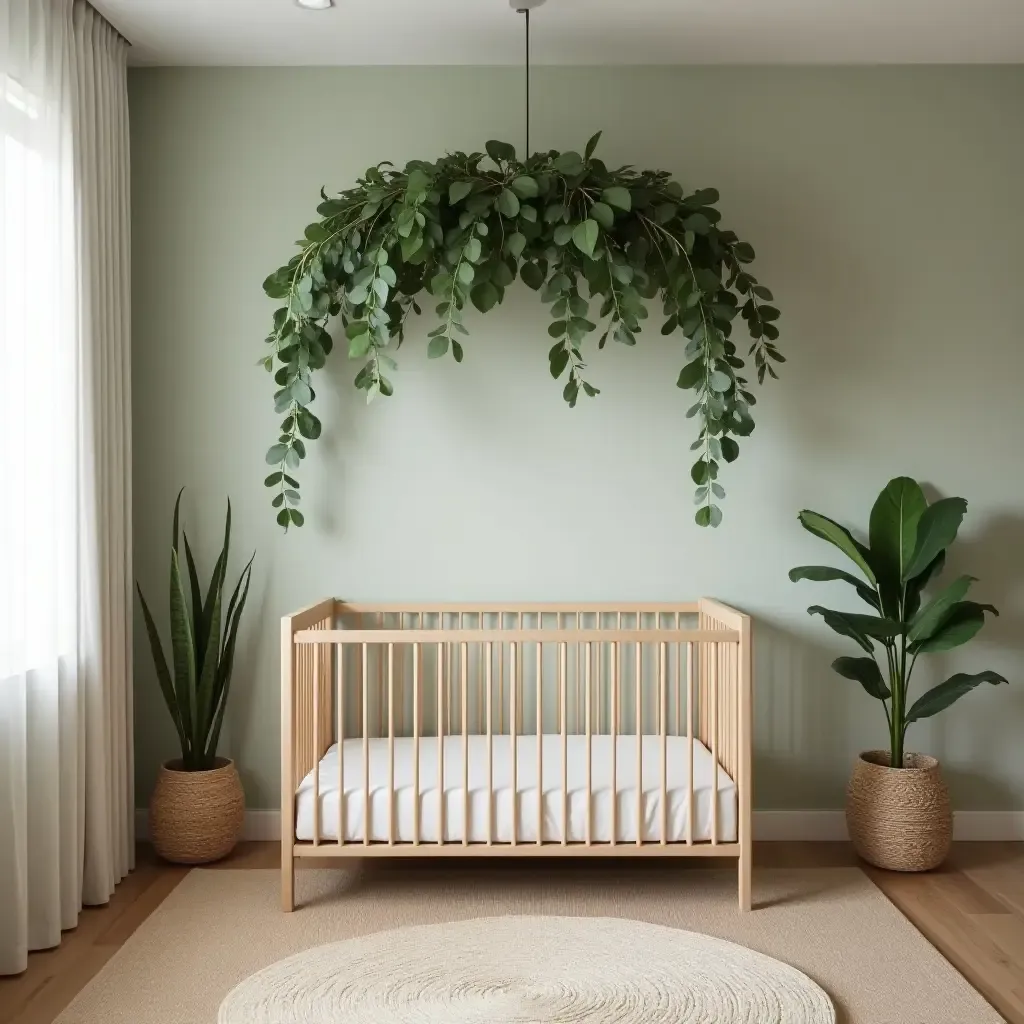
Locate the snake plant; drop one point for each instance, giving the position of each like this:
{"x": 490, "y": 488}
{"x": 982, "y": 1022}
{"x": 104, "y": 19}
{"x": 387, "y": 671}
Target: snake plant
{"x": 202, "y": 649}
{"x": 906, "y": 551}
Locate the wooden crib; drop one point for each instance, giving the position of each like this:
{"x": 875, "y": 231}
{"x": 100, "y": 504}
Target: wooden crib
{"x": 515, "y": 730}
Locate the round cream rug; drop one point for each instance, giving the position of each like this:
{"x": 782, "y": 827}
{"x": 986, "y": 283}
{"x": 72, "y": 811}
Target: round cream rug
{"x": 513, "y": 970}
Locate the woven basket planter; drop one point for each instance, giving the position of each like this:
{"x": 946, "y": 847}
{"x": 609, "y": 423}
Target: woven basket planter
{"x": 196, "y": 817}
{"x": 899, "y": 818}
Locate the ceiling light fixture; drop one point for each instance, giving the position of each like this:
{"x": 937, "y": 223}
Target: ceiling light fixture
{"x": 315, "y": 5}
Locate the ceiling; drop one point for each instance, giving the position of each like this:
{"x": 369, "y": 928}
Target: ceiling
{"x": 278, "y": 32}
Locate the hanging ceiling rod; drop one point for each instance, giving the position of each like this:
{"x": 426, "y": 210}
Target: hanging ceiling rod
{"x": 524, "y": 7}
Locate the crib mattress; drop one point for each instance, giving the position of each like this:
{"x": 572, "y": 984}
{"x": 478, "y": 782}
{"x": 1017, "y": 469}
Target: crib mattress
{"x": 527, "y": 792}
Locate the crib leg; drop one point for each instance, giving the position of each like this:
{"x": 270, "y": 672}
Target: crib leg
{"x": 287, "y": 877}
{"x": 745, "y": 880}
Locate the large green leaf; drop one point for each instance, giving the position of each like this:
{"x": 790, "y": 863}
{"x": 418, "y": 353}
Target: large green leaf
{"x": 865, "y": 671}
{"x": 857, "y": 627}
{"x": 916, "y": 586}
{"x": 827, "y": 529}
{"x": 183, "y": 653}
{"x": 163, "y": 674}
{"x": 825, "y": 573}
{"x": 893, "y": 534}
{"x": 962, "y": 623}
{"x": 929, "y": 618}
{"x": 938, "y": 698}
{"x": 936, "y": 530}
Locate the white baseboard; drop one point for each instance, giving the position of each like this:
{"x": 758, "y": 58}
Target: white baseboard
{"x": 808, "y": 826}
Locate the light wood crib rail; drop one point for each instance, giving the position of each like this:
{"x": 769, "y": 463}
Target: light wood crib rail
{"x": 516, "y": 730}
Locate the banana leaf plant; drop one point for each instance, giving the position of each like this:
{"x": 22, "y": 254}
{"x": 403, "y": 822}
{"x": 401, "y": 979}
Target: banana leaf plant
{"x": 905, "y": 553}
{"x": 202, "y": 649}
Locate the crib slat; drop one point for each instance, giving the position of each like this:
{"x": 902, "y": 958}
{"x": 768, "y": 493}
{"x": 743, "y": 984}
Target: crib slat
{"x": 366, "y": 745}
{"x": 638, "y": 680}
{"x": 512, "y": 678}
{"x": 590, "y": 788}
{"x": 490, "y": 747}
{"x": 714, "y": 742}
{"x": 614, "y": 654}
{"x": 417, "y": 676}
{"x": 316, "y": 745}
{"x": 540, "y": 740}
{"x": 440, "y": 744}
{"x": 464, "y": 673}
{"x": 563, "y": 654}
{"x": 689, "y": 741}
{"x": 341, "y": 742}
{"x": 391, "y": 744}
{"x": 662, "y": 715}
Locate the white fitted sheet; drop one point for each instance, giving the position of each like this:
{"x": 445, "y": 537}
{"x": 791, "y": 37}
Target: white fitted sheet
{"x": 677, "y": 788}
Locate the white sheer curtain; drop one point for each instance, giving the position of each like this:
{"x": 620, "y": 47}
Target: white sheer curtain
{"x": 66, "y": 799}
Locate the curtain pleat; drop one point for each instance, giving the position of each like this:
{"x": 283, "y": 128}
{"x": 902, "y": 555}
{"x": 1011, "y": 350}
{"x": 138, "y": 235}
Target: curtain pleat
{"x": 66, "y": 758}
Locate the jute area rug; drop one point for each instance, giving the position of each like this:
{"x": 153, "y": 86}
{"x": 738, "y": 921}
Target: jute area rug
{"x": 220, "y": 926}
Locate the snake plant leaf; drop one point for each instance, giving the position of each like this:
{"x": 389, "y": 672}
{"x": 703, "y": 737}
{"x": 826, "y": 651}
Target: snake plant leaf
{"x": 936, "y": 530}
{"x": 174, "y": 528}
{"x": 204, "y": 696}
{"x": 866, "y": 672}
{"x": 217, "y": 579}
{"x": 163, "y": 674}
{"x": 930, "y": 617}
{"x": 892, "y": 532}
{"x": 962, "y": 623}
{"x": 825, "y": 573}
{"x": 183, "y": 653}
{"x": 938, "y": 698}
{"x": 827, "y": 529}
{"x": 197, "y": 596}
{"x": 224, "y": 673}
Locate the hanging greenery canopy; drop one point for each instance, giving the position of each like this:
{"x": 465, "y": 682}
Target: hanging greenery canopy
{"x": 463, "y": 228}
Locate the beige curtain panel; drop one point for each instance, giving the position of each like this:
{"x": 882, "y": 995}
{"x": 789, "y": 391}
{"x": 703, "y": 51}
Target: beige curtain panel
{"x": 66, "y": 794}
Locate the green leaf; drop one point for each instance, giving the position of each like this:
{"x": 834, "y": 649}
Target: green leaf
{"x": 825, "y": 573}
{"x": 508, "y": 203}
{"x": 962, "y": 623}
{"x": 591, "y": 145}
{"x": 525, "y": 187}
{"x": 865, "y": 671}
{"x": 183, "y": 652}
{"x": 691, "y": 375}
{"x": 584, "y": 236}
{"x": 532, "y": 275}
{"x": 163, "y": 674}
{"x": 500, "y": 151}
{"x": 938, "y": 698}
{"x": 466, "y": 272}
{"x": 562, "y": 234}
{"x": 827, "y": 529}
{"x": 730, "y": 449}
{"x": 569, "y": 163}
{"x": 603, "y": 214}
{"x": 457, "y": 191}
{"x": 515, "y": 243}
{"x": 930, "y": 617}
{"x": 720, "y": 382}
{"x": 484, "y": 296}
{"x": 857, "y": 627}
{"x": 618, "y": 197}
{"x": 438, "y": 347}
{"x": 893, "y": 531}
{"x": 936, "y": 530}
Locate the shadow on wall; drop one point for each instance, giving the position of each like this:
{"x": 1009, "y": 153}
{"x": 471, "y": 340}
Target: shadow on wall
{"x": 802, "y": 712}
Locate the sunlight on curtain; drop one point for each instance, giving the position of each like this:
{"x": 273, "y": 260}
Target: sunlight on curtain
{"x": 65, "y": 709}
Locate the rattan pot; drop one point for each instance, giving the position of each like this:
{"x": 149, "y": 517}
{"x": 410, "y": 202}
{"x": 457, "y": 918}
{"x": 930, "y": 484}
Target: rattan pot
{"x": 196, "y": 817}
{"x": 899, "y": 818}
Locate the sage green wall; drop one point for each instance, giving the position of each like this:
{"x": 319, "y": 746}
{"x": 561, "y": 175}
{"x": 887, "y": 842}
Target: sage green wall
{"x": 887, "y": 209}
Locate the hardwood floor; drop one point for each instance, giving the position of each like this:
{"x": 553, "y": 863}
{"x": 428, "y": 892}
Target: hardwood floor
{"x": 972, "y": 910}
